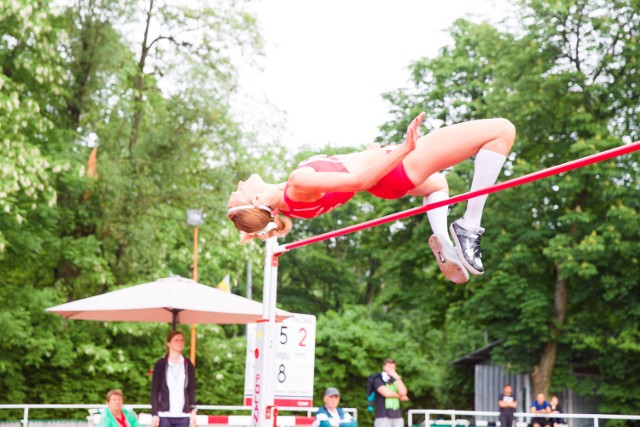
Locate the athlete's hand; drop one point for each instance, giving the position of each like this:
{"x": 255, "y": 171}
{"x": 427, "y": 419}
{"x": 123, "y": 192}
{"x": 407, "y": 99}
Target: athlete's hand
{"x": 413, "y": 132}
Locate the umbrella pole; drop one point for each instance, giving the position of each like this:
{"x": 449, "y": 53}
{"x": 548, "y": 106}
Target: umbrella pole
{"x": 174, "y": 319}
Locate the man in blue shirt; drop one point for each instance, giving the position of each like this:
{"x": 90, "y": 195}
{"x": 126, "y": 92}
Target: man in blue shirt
{"x": 540, "y": 406}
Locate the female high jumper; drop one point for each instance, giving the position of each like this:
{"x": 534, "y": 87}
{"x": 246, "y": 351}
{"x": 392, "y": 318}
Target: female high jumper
{"x": 321, "y": 183}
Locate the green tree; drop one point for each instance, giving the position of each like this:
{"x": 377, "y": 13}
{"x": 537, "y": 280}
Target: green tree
{"x": 68, "y": 84}
{"x": 555, "y": 250}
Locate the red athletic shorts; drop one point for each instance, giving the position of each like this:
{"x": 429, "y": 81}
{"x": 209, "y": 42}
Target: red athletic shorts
{"x": 393, "y": 185}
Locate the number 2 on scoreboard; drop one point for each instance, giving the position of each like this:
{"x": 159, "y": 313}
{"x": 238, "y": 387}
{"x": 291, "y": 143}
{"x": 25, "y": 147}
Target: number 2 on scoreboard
{"x": 302, "y": 333}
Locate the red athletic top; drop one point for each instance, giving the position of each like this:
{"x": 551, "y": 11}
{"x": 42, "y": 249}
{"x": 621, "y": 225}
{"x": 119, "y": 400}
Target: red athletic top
{"x": 326, "y": 203}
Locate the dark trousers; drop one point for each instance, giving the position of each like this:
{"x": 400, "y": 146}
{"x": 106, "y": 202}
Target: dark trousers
{"x": 174, "y": 422}
{"x": 506, "y": 420}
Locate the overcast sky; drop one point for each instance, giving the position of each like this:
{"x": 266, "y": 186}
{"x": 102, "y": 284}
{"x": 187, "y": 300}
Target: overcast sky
{"x": 328, "y": 62}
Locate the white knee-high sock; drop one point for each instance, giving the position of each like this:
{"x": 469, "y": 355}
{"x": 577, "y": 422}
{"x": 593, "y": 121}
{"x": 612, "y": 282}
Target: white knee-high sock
{"x": 438, "y": 216}
{"x": 487, "y": 167}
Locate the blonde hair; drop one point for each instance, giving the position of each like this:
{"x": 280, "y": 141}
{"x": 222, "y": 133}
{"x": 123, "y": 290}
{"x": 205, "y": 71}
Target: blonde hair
{"x": 255, "y": 222}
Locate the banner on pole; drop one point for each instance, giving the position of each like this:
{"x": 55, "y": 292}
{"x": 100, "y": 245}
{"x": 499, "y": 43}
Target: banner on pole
{"x": 225, "y": 284}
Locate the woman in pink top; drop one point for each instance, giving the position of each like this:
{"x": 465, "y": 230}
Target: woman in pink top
{"x": 322, "y": 183}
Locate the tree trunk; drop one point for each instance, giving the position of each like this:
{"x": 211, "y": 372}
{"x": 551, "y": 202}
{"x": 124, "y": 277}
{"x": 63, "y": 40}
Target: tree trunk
{"x": 542, "y": 372}
{"x": 139, "y": 83}
{"x": 90, "y": 38}
{"x": 372, "y": 285}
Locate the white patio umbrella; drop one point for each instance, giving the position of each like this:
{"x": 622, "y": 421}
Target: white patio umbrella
{"x": 173, "y": 299}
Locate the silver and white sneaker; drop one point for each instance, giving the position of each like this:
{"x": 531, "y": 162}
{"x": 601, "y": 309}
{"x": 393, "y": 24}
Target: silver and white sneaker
{"x": 448, "y": 260}
{"x": 468, "y": 246}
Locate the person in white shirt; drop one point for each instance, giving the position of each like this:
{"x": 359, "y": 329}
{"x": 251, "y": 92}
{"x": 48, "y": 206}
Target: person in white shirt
{"x": 173, "y": 387}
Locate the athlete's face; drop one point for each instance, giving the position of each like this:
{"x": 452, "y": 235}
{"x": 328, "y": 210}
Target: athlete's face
{"x": 247, "y": 191}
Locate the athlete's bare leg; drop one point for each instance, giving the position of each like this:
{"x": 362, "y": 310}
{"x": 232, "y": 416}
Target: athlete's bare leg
{"x": 453, "y": 144}
{"x": 490, "y": 141}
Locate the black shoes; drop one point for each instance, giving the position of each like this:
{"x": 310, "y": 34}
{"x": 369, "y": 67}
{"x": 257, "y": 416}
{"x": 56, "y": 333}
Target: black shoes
{"x": 448, "y": 260}
{"x": 468, "y": 246}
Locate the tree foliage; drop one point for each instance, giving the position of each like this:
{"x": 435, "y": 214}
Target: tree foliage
{"x": 555, "y": 262}
{"x": 73, "y": 80}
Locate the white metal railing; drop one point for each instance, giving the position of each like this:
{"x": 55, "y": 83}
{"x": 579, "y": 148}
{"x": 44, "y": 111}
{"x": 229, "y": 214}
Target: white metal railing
{"x": 92, "y": 409}
{"x": 452, "y": 414}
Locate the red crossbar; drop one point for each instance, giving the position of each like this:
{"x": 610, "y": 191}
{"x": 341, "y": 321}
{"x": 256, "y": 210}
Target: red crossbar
{"x": 239, "y": 420}
{"x": 554, "y": 170}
